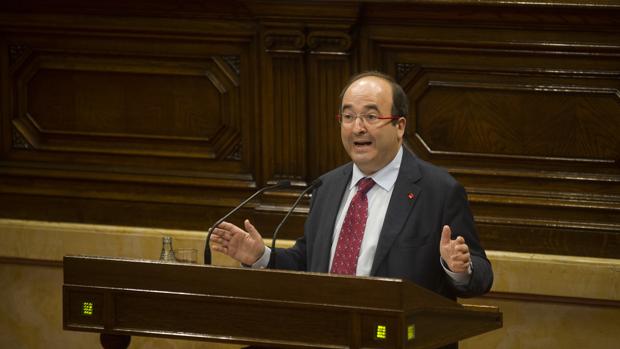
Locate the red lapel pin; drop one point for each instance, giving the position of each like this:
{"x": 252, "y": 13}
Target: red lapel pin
{"x": 411, "y": 196}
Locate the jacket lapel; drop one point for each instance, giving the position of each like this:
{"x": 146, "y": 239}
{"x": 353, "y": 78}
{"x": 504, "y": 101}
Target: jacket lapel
{"x": 404, "y": 197}
{"x": 325, "y": 231}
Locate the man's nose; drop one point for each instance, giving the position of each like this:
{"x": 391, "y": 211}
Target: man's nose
{"x": 359, "y": 126}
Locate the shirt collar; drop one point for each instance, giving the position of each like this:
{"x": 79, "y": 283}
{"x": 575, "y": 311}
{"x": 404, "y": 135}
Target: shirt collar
{"x": 385, "y": 177}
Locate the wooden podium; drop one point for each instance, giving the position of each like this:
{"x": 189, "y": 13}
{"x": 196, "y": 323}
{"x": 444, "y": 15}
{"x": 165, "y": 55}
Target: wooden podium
{"x": 124, "y": 297}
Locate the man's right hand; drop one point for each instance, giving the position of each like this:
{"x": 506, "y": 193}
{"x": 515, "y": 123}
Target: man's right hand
{"x": 246, "y": 246}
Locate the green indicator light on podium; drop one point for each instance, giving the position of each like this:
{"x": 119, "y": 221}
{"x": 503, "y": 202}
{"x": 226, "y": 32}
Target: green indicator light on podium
{"x": 381, "y": 332}
{"x": 87, "y": 308}
{"x": 410, "y": 332}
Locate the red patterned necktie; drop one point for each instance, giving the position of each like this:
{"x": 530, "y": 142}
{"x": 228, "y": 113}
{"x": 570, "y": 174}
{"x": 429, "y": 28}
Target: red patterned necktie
{"x": 352, "y": 231}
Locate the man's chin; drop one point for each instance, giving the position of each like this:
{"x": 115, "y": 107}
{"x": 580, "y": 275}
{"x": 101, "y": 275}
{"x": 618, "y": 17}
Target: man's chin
{"x": 361, "y": 156}
{"x": 363, "y": 161}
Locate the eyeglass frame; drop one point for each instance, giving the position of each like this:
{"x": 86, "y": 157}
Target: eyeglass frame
{"x": 365, "y": 119}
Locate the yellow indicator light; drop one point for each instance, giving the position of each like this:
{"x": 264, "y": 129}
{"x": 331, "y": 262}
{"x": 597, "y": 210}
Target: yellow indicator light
{"x": 410, "y": 332}
{"x": 87, "y": 308}
{"x": 381, "y": 332}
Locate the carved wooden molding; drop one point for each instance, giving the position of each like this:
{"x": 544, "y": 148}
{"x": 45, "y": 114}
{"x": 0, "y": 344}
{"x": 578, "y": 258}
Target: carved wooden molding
{"x": 234, "y": 62}
{"x": 320, "y": 42}
{"x": 16, "y": 52}
{"x": 403, "y": 69}
{"x": 284, "y": 40}
{"x": 329, "y": 42}
{"x": 19, "y": 141}
{"x": 236, "y": 152}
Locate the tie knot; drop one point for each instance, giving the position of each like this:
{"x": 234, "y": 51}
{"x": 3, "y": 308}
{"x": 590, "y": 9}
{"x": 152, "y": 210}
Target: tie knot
{"x": 365, "y": 184}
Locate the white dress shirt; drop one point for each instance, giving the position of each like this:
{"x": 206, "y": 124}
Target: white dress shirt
{"x": 378, "y": 200}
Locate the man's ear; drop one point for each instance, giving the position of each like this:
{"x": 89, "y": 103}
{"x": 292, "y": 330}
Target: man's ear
{"x": 401, "y": 124}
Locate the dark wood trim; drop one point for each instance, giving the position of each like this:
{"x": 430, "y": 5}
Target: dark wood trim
{"x": 535, "y": 298}
{"x": 31, "y": 262}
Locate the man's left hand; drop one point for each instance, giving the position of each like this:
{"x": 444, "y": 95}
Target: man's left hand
{"x": 455, "y": 253}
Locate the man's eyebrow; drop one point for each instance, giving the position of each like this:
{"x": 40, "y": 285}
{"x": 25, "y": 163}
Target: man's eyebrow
{"x": 372, "y": 106}
{"x": 366, "y": 107}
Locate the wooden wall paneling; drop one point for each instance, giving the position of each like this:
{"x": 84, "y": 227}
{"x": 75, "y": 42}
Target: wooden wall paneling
{"x": 329, "y": 68}
{"x": 284, "y": 103}
{"x": 369, "y": 55}
{"x": 526, "y": 119}
{"x": 311, "y": 41}
{"x": 528, "y": 14}
{"x": 175, "y": 214}
{"x": 5, "y": 123}
{"x": 167, "y": 114}
{"x": 138, "y": 8}
{"x": 145, "y": 105}
{"x": 95, "y": 112}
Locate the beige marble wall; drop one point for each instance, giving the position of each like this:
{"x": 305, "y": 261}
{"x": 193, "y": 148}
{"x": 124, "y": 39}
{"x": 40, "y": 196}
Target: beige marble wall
{"x": 31, "y": 279}
{"x": 31, "y": 317}
{"x": 552, "y": 302}
{"x": 547, "y": 301}
{"x": 549, "y": 325}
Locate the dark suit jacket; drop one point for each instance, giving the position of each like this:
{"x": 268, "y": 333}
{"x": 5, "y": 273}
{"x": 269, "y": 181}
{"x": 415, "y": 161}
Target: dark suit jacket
{"x": 408, "y": 246}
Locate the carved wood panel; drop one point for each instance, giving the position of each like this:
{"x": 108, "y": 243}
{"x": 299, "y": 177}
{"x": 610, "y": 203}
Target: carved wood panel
{"x": 123, "y": 106}
{"x": 131, "y": 122}
{"x": 306, "y": 66}
{"x": 132, "y": 105}
{"x": 329, "y": 68}
{"x": 284, "y": 113}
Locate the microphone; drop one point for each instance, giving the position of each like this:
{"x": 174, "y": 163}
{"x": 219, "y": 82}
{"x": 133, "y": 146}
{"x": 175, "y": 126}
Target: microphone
{"x": 315, "y": 184}
{"x": 280, "y": 184}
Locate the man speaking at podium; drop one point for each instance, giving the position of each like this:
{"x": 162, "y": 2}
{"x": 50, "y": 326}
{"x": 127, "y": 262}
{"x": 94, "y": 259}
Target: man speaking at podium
{"x": 387, "y": 213}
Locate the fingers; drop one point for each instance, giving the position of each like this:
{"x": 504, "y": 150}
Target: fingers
{"x": 222, "y": 235}
{"x": 245, "y": 246}
{"x": 460, "y": 258}
{"x": 459, "y": 250}
{"x": 227, "y": 227}
{"x": 218, "y": 242}
{"x": 459, "y": 267}
{"x": 461, "y": 247}
{"x": 226, "y": 231}
{"x": 446, "y": 235}
{"x": 220, "y": 249}
{"x": 455, "y": 252}
{"x": 252, "y": 230}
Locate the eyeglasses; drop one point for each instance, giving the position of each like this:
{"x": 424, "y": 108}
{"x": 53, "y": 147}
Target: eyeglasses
{"x": 368, "y": 119}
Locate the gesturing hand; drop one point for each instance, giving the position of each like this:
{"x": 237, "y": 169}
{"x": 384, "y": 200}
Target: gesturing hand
{"x": 244, "y": 246}
{"x": 455, "y": 253}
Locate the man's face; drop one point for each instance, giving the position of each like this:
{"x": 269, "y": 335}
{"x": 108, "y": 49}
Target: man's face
{"x": 371, "y": 147}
